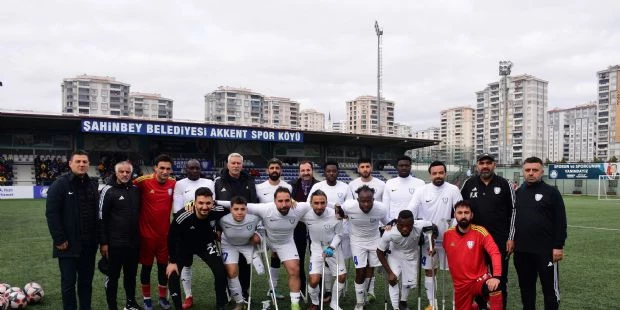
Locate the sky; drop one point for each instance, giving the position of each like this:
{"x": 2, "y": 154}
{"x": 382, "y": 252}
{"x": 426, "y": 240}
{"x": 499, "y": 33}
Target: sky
{"x": 436, "y": 54}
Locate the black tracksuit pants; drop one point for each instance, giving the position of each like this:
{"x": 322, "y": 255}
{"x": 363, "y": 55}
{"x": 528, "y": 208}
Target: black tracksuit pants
{"x": 529, "y": 267}
{"x": 125, "y": 258}
{"x": 220, "y": 283}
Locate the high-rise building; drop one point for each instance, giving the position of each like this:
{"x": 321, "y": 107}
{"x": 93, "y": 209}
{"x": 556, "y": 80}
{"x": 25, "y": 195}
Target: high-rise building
{"x": 521, "y": 127}
{"x": 339, "y": 126}
{"x": 362, "y": 116}
{"x": 234, "y": 106}
{"x": 429, "y": 153}
{"x": 402, "y": 130}
{"x": 571, "y": 133}
{"x": 608, "y": 138}
{"x": 95, "y": 95}
{"x": 281, "y": 112}
{"x": 150, "y": 106}
{"x": 457, "y": 134}
{"x": 313, "y": 120}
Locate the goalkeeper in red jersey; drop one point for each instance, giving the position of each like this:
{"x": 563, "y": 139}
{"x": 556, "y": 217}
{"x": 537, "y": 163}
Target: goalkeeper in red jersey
{"x": 465, "y": 246}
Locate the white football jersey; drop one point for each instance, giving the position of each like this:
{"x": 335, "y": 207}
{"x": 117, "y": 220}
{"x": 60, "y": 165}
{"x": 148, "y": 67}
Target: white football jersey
{"x": 278, "y": 228}
{"x": 398, "y": 192}
{"x": 238, "y": 233}
{"x": 374, "y": 183}
{"x": 435, "y": 204}
{"x": 265, "y": 191}
{"x": 185, "y": 189}
{"x": 364, "y": 227}
{"x": 401, "y": 246}
{"x": 336, "y": 194}
{"x": 324, "y": 230}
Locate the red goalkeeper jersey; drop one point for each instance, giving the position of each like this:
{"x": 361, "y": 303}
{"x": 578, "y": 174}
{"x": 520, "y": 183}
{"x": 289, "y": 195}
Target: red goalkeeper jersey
{"x": 156, "y": 204}
{"x": 466, "y": 254}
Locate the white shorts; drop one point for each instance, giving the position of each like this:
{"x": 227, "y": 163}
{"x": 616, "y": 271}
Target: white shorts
{"x": 316, "y": 261}
{"x": 285, "y": 251}
{"x": 439, "y": 259}
{"x": 405, "y": 270}
{"x": 230, "y": 253}
{"x": 363, "y": 257}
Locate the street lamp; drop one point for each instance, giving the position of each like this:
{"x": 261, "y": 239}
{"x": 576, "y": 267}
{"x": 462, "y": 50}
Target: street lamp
{"x": 504, "y": 72}
{"x": 379, "y": 33}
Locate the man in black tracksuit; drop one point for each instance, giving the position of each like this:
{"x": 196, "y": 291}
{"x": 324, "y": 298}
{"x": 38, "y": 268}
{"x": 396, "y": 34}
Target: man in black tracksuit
{"x": 234, "y": 181}
{"x": 119, "y": 208}
{"x": 193, "y": 232}
{"x": 71, "y": 212}
{"x": 492, "y": 201}
{"x": 539, "y": 236}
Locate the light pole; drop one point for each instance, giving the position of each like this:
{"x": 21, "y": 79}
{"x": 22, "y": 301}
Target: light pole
{"x": 379, "y": 32}
{"x": 504, "y": 72}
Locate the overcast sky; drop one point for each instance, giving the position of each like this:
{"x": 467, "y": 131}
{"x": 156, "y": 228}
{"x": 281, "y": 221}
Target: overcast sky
{"x": 437, "y": 54}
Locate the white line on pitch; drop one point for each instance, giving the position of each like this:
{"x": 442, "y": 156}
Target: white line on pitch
{"x": 599, "y": 228}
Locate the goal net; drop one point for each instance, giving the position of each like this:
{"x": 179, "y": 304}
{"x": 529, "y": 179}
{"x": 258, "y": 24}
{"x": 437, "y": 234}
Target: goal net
{"x": 608, "y": 187}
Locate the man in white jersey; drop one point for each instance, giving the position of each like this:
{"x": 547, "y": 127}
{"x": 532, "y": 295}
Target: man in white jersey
{"x": 239, "y": 236}
{"x": 279, "y": 220}
{"x": 337, "y": 192}
{"x": 402, "y": 262}
{"x": 364, "y": 168}
{"x": 265, "y": 191}
{"x": 365, "y": 216}
{"x": 435, "y": 202}
{"x": 325, "y": 234}
{"x": 184, "y": 191}
{"x": 399, "y": 190}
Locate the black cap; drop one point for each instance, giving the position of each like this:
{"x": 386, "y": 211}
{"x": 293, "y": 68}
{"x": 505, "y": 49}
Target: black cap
{"x": 485, "y": 156}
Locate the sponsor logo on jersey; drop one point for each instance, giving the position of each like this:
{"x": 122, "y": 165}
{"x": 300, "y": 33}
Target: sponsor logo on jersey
{"x": 444, "y": 199}
{"x": 192, "y": 227}
{"x": 187, "y": 191}
{"x": 70, "y": 193}
{"x": 340, "y": 195}
{"x": 470, "y": 244}
{"x": 452, "y": 244}
{"x": 497, "y": 190}
{"x": 538, "y": 197}
{"x": 411, "y": 190}
{"x": 152, "y": 191}
{"x": 394, "y": 189}
{"x": 121, "y": 198}
{"x": 170, "y": 192}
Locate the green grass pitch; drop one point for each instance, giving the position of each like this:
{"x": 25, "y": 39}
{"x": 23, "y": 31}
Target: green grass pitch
{"x": 588, "y": 273}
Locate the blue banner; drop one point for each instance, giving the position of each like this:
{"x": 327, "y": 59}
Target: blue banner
{"x": 581, "y": 170}
{"x": 189, "y": 130}
{"x": 39, "y": 192}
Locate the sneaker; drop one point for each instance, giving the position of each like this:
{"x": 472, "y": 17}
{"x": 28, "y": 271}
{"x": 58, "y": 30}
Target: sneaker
{"x": 371, "y": 297}
{"x": 188, "y": 302}
{"x": 359, "y": 307}
{"x": 132, "y": 305}
{"x": 402, "y": 305}
{"x": 295, "y": 306}
{"x": 164, "y": 303}
{"x": 327, "y": 297}
{"x": 278, "y": 295}
{"x": 148, "y": 304}
{"x": 334, "y": 307}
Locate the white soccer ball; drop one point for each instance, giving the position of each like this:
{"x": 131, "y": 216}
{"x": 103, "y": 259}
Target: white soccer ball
{"x": 34, "y": 292}
{"x": 4, "y": 289}
{"x": 4, "y": 303}
{"x": 17, "y": 298}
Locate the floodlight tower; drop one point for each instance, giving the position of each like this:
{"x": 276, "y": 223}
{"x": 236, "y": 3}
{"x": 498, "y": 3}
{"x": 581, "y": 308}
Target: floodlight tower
{"x": 504, "y": 72}
{"x": 379, "y": 32}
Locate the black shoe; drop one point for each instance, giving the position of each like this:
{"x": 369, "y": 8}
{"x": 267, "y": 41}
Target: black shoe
{"x": 402, "y": 305}
{"x": 132, "y": 305}
{"x": 327, "y": 297}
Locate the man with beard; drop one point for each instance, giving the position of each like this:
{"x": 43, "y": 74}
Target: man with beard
{"x": 399, "y": 190}
{"x": 434, "y": 202}
{"x": 365, "y": 216}
{"x": 402, "y": 263}
{"x": 492, "y": 200}
{"x": 184, "y": 191}
{"x": 265, "y": 192}
{"x": 467, "y": 246}
{"x": 364, "y": 168}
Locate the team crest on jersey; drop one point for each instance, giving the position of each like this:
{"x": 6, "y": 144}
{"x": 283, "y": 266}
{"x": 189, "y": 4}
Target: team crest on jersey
{"x": 292, "y": 221}
{"x": 152, "y": 191}
{"x": 538, "y": 197}
{"x": 411, "y": 190}
{"x": 340, "y": 195}
{"x": 470, "y": 244}
{"x": 373, "y": 220}
{"x": 249, "y": 227}
{"x": 497, "y": 190}
{"x": 327, "y": 227}
{"x": 444, "y": 199}
{"x": 169, "y": 191}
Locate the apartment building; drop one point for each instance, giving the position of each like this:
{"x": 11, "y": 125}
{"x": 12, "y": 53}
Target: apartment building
{"x": 312, "y": 120}
{"x": 608, "y": 113}
{"x": 95, "y": 95}
{"x": 456, "y": 133}
{"x": 571, "y": 133}
{"x": 279, "y": 112}
{"x": 363, "y": 116}
{"x": 429, "y": 153}
{"x": 150, "y": 106}
{"x": 234, "y": 106}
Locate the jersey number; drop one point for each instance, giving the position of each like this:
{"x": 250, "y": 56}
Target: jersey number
{"x": 355, "y": 260}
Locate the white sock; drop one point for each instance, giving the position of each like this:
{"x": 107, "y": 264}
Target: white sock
{"x": 393, "y": 295}
{"x": 186, "y": 279}
{"x": 314, "y": 294}
{"x": 404, "y": 292}
{"x": 428, "y": 284}
{"x": 274, "y": 276}
{"x": 295, "y": 297}
{"x": 337, "y": 287}
{"x": 360, "y": 289}
{"x": 371, "y": 285}
{"x": 235, "y": 289}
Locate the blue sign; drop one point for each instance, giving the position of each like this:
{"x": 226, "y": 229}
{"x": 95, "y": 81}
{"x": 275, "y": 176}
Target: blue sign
{"x": 39, "y": 192}
{"x": 189, "y": 130}
{"x": 578, "y": 171}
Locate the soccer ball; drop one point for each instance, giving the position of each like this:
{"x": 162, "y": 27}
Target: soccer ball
{"x": 17, "y": 298}
{"x": 34, "y": 292}
{"x": 4, "y": 303}
{"x": 4, "y": 290}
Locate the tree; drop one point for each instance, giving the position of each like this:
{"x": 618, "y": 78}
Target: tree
{"x": 596, "y": 160}
{"x": 613, "y": 159}
{"x": 547, "y": 161}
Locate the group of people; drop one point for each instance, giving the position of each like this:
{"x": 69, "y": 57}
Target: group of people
{"x": 232, "y": 224}
{"x": 47, "y": 169}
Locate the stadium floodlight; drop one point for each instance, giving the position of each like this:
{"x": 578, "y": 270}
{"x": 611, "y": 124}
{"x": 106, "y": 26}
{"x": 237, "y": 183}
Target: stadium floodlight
{"x": 504, "y": 72}
{"x": 379, "y": 33}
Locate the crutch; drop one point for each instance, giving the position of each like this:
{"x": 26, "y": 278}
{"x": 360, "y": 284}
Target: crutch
{"x": 429, "y": 236}
{"x": 337, "y": 283}
{"x": 323, "y": 283}
{"x": 273, "y": 290}
{"x": 443, "y": 280}
{"x": 420, "y": 278}
{"x": 251, "y": 272}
